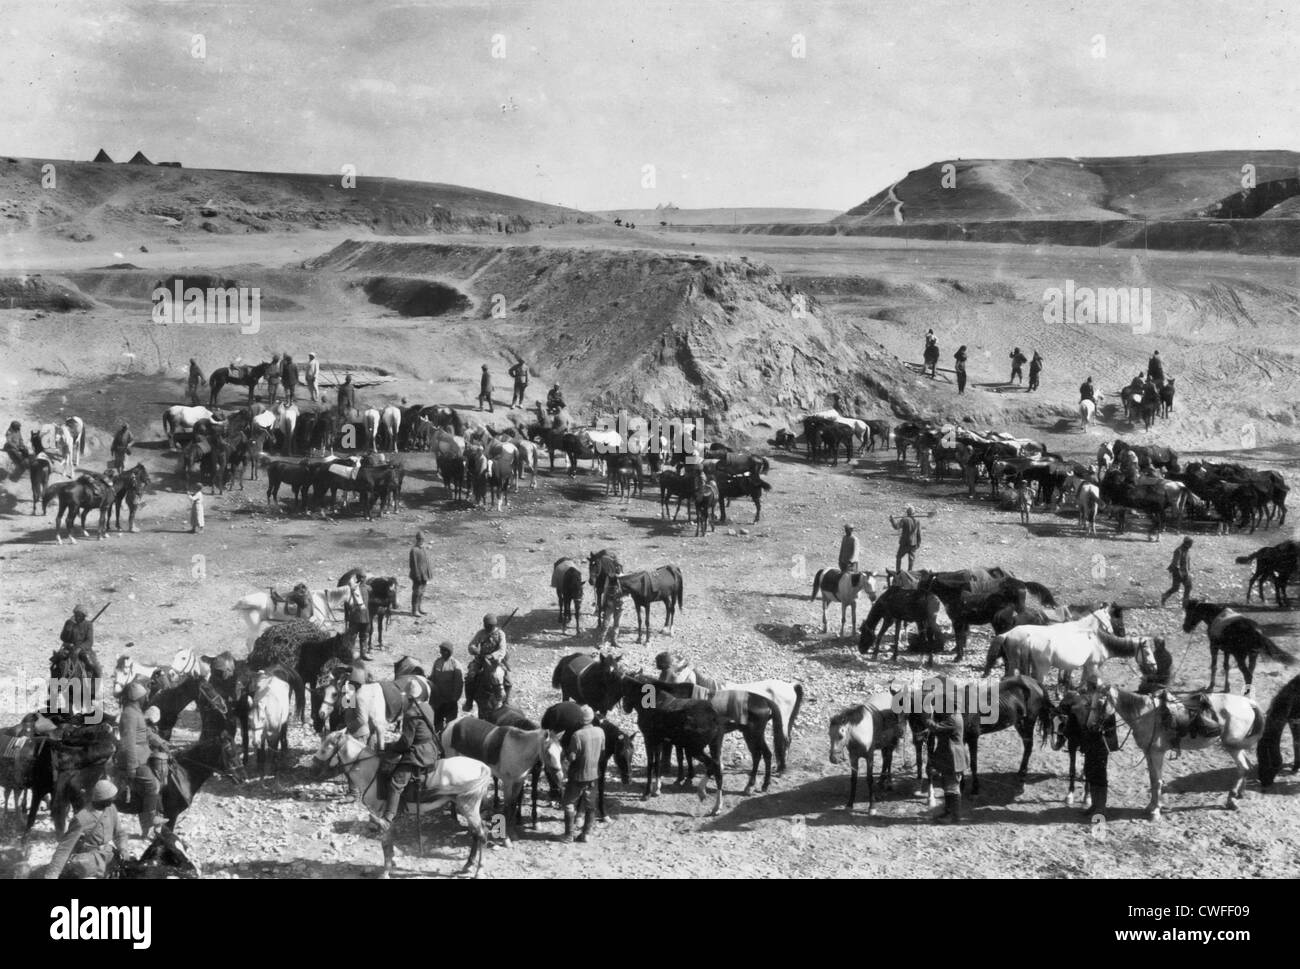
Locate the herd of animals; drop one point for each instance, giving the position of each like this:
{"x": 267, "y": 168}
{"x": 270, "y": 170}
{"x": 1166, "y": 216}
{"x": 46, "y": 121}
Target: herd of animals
{"x": 1032, "y": 632}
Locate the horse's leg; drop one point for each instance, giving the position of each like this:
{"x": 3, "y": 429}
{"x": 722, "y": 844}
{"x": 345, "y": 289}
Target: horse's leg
{"x": 1238, "y": 788}
{"x": 652, "y": 755}
{"x": 1027, "y": 737}
{"x": 767, "y": 756}
{"x": 853, "y": 779}
{"x": 974, "y": 747}
{"x": 1074, "y": 750}
{"x": 1155, "y": 770}
{"x": 1214, "y": 662}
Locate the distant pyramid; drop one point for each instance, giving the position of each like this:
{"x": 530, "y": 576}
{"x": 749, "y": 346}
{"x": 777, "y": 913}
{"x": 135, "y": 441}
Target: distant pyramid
{"x": 139, "y": 159}
{"x": 103, "y": 157}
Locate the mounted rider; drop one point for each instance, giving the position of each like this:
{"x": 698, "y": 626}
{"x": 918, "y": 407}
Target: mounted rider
{"x": 555, "y": 400}
{"x": 1156, "y": 369}
{"x": 298, "y": 601}
{"x": 417, "y": 748}
{"x": 15, "y": 446}
{"x": 487, "y": 649}
{"x": 76, "y": 659}
{"x": 1086, "y": 391}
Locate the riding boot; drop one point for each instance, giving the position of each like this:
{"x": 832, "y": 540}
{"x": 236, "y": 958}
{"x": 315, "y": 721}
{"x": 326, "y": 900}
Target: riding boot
{"x": 570, "y": 814}
{"x": 148, "y": 810}
{"x": 587, "y": 821}
{"x": 951, "y": 810}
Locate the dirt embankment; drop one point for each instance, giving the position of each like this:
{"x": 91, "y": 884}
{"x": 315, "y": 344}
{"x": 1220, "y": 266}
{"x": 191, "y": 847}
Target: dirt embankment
{"x": 665, "y": 332}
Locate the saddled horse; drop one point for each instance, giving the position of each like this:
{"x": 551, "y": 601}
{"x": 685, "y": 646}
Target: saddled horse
{"x": 1241, "y": 725}
{"x": 512, "y": 754}
{"x": 247, "y": 377}
{"x": 188, "y": 769}
{"x": 1077, "y": 713}
{"x": 80, "y": 496}
{"x": 603, "y": 568}
{"x": 128, "y": 486}
{"x": 566, "y": 580}
{"x": 462, "y": 781}
{"x": 259, "y": 610}
{"x": 844, "y": 588}
{"x": 664, "y": 585}
{"x": 40, "y": 466}
{"x": 859, "y": 732}
{"x": 1238, "y": 636}
{"x": 596, "y": 680}
{"x": 1283, "y": 712}
{"x": 1082, "y": 644}
{"x": 182, "y": 419}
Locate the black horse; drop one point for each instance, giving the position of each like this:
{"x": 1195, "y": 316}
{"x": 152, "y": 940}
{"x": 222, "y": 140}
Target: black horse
{"x": 664, "y": 585}
{"x": 603, "y": 568}
{"x": 129, "y": 486}
{"x": 568, "y": 594}
{"x": 748, "y": 485}
{"x": 188, "y": 769}
{"x": 249, "y": 378}
{"x": 67, "y": 762}
{"x": 566, "y": 718}
{"x": 1277, "y": 563}
{"x": 595, "y": 680}
{"x": 1239, "y": 637}
{"x": 897, "y": 607}
{"x": 1077, "y": 713}
{"x": 693, "y": 725}
{"x": 1283, "y": 712}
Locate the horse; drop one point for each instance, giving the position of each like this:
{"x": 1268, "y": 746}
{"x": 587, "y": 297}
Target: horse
{"x": 250, "y": 377}
{"x": 747, "y": 485}
{"x": 664, "y": 585}
{"x": 268, "y": 721}
{"x": 259, "y": 610}
{"x": 64, "y": 762}
{"x": 500, "y": 475}
{"x": 1088, "y": 410}
{"x": 1167, "y": 397}
{"x": 1277, "y": 562}
{"x": 602, "y": 569}
{"x": 1241, "y": 727}
{"x": 370, "y": 421}
{"x": 59, "y": 437}
{"x": 76, "y": 437}
{"x": 593, "y": 680}
{"x": 128, "y": 486}
{"x": 181, "y": 419}
{"x": 286, "y": 423}
{"x": 705, "y": 499}
{"x": 126, "y": 671}
{"x": 844, "y": 588}
{"x": 390, "y": 423}
{"x": 1284, "y": 711}
{"x": 1079, "y": 644}
{"x": 860, "y": 731}
{"x": 1075, "y": 714}
{"x": 459, "y": 780}
{"x": 566, "y": 580}
{"x": 694, "y": 725}
{"x": 39, "y": 468}
{"x": 512, "y": 754}
{"x": 674, "y": 484}
{"x": 897, "y": 607}
{"x": 299, "y": 477}
{"x": 1240, "y": 639}
{"x": 188, "y": 769}
{"x": 565, "y": 718}
{"x": 81, "y": 495}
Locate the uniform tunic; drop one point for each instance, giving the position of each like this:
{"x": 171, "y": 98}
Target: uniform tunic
{"x": 86, "y": 849}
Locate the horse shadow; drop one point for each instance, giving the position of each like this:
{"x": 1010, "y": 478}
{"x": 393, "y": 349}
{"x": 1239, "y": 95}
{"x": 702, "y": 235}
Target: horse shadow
{"x": 1206, "y": 782}
{"x": 819, "y": 802}
{"x": 660, "y": 527}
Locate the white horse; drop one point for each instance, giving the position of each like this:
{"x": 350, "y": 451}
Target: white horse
{"x": 77, "y": 432}
{"x": 286, "y": 422}
{"x": 57, "y": 439}
{"x": 1081, "y": 644}
{"x": 268, "y": 719}
{"x": 786, "y": 698}
{"x": 526, "y": 460}
{"x": 127, "y": 670}
{"x": 182, "y": 418}
{"x": 1088, "y": 410}
{"x": 844, "y": 588}
{"x": 1241, "y": 726}
{"x": 370, "y": 419}
{"x": 392, "y": 421}
{"x": 260, "y": 611}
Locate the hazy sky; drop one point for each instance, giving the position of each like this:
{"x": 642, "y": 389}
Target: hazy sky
{"x": 706, "y": 91}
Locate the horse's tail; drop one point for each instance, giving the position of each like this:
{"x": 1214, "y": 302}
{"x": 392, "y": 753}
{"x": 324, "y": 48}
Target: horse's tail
{"x": 794, "y": 713}
{"x": 680, "y": 594}
{"x": 996, "y": 644}
{"x": 559, "y": 669}
{"x": 1273, "y": 651}
{"x": 817, "y": 584}
{"x": 1247, "y": 559}
{"x": 167, "y": 423}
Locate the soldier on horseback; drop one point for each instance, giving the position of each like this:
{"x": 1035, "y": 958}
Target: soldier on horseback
{"x": 15, "y": 446}
{"x": 1086, "y": 392}
{"x": 417, "y": 748}
{"x": 555, "y": 400}
{"x": 300, "y": 598}
{"x": 488, "y": 648}
{"x": 76, "y": 659}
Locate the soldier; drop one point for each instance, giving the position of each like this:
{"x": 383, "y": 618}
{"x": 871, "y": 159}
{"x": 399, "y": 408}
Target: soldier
{"x": 520, "y": 374}
{"x": 289, "y": 377}
{"x": 121, "y": 446}
{"x": 1018, "y": 360}
{"x": 1156, "y": 369}
{"x": 421, "y": 571}
{"x": 347, "y": 396}
{"x": 160, "y": 750}
{"x": 448, "y": 681}
{"x": 1100, "y": 737}
{"x": 15, "y": 446}
{"x": 488, "y": 646}
{"x": 485, "y": 389}
{"x": 313, "y": 375}
{"x": 1086, "y": 392}
{"x": 357, "y": 610}
{"x": 1179, "y": 569}
{"x": 554, "y": 400}
{"x": 909, "y": 537}
{"x": 960, "y": 367}
{"x": 848, "y": 560}
{"x": 948, "y": 762}
{"x": 583, "y": 753}
{"x": 133, "y": 753}
{"x": 273, "y": 375}
{"x": 416, "y": 747}
{"x": 196, "y": 380}
{"x": 93, "y": 837}
{"x": 1035, "y": 368}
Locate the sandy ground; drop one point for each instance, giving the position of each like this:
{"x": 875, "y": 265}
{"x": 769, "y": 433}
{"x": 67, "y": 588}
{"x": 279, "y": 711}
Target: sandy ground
{"x": 747, "y": 613}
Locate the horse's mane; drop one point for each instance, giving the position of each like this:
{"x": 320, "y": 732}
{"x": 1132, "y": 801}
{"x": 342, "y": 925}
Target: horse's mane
{"x": 852, "y": 716}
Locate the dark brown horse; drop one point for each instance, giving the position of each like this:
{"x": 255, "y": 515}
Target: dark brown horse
{"x": 664, "y": 585}
{"x": 249, "y": 378}
{"x": 83, "y": 494}
{"x": 897, "y": 607}
{"x": 130, "y": 487}
{"x": 603, "y": 568}
{"x": 694, "y": 725}
{"x": 1283, "y": 712}
{"x": 1240, "y": 639}
{"x": 595, "y": 680}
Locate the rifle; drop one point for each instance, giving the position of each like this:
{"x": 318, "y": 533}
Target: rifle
{"x": 100, "y": 613}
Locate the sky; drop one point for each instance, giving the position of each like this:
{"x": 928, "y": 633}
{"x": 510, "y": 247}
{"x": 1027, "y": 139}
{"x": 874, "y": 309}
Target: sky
{"x": 635, "y": 103}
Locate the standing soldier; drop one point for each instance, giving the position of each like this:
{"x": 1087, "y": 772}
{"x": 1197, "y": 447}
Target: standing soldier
{"x": 121, "y": 446}
{"x": 909, "y": 537}
{"x": 133, "y": 755}
{"x": 448, "y": 681}
{"x": 289, "y": 376}
{"x": 273, "y": 374}
{"x": 1018, "y": 360}
{"x": 347, "y": 396}
{"x": 421, "y": 572}
{"x": 485, "y": 389}
{"x": 313, "y": 375}
{"x": 1180, "y": 572}
{"x": 1024, "y": 500}
{"x": 196, "y": 380}
{"x": 848, "y": 561}
{"x": 960, "y": 367}
{"x": 1100, "y": 737}
{"x": 1035, "y": 368}
{"x": 416, "y": 746}
{"x": 94, "y": 835}
{"x": 520, "y": 372}
{"x": 583, "y": 754}
{"x": 948, "y": 762}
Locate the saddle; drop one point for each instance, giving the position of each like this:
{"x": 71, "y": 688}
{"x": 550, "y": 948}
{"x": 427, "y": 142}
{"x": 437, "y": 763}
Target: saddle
{"x": 1192, "y": 717}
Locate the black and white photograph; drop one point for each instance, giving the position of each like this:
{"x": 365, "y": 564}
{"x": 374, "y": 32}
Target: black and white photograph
{"x": 636, "y": 440}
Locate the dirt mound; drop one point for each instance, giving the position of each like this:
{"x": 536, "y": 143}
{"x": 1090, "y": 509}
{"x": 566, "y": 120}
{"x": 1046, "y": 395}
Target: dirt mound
{"x": 671, "y": 333}
{"x": 41, "y": 293}
{"x": 415, "y": 297}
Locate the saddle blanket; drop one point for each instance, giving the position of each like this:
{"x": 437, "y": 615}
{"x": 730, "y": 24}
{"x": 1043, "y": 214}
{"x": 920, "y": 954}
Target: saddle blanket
{"x": 264, "y": 420}
{"x": 733, "y": 705}
{"x": 344, "y": 471}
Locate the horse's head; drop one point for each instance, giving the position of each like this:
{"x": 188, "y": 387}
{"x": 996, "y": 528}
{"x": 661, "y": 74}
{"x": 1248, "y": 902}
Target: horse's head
{"x": 870, "y": 585}
{"x": 1191, "y": 614}
{"x": 553, "y": 751}
{"x": 1115, "y": 615}
{"x": 331, "y": 755}
{"x": 1269, "y": 753}
{"x": 1153, "y": 659}
{"x": 1060, "y": 720}
{"x": 841, "y": 725}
